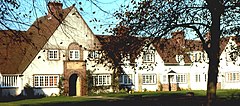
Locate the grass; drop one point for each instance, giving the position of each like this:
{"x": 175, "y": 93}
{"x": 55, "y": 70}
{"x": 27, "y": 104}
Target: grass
{"x": 46, "y": 100}
{"x": 222, "y": 94}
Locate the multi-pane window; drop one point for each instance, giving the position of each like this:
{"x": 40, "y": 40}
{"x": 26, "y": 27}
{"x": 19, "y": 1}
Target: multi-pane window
{"x": 231, "y": 56}
{"x": 197, "y": 78}
{"x": 198, "y": 56}
{"x": 9, "y": 81}
{"x": 125, "y": 79}
{"x": 125, "y": 57}
{"x": 205, "y": 77}
{"x": 181, "y": 78}
{"x": 53, "y": 54}
{"x": 101, "y": 80}
{"x": 94, "y": 55}
{"x": 74, "y": 54}
{"x": 46, "y": 80}
{"x": 164, "y": 79}
{"x": 149, "y": 79}
{"x": 179, "y": 58}
{"x": 148, "y": 56}
{"x": 232, "y": 77}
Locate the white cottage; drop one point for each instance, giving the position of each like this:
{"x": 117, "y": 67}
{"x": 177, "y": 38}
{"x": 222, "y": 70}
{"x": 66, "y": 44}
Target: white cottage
{"x": 59, "y": 54}
{"x": 53, "y": 49}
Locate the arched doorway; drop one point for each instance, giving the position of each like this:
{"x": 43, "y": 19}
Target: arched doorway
{"x": 74, "y": 85}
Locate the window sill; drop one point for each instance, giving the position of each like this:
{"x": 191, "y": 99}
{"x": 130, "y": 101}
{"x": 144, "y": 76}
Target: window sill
{"x": 149, "y": 83}
{"x": 53, "y": 59}
{"x": 102, "y": 85}
{"x": 8, "y": 87}
{"x": 45, "y": 87}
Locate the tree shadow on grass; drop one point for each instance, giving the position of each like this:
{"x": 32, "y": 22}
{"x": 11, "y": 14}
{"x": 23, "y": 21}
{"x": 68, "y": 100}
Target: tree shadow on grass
{"x": 141, "y": 100}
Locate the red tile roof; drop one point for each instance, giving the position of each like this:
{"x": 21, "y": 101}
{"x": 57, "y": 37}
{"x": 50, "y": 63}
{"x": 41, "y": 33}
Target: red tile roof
{"x": 167, "y": 48}
{"x": 18, "y": 49}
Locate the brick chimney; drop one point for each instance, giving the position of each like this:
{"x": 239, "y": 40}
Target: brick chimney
{"x": 179, "y": 38}
{"x": 207, "y": 36}
{"x": 54, "y": 9}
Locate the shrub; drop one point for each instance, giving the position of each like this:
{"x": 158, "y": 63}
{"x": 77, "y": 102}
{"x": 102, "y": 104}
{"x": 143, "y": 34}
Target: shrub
{"x": 28, "y": 90}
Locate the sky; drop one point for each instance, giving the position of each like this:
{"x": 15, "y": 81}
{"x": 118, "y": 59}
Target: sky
{"x": 102, "y": 10}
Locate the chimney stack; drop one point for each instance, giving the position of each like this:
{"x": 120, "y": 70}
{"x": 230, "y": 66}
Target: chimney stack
{"x": 54, "y": 9}
{"x": 179, "y": 38}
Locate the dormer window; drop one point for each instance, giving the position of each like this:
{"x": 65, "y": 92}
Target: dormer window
{"x": 53, "y": 54}
{"x": 179, "y": 58}
{"x": 125, "y": 57}
{"x": 94, "y": 55}
{"x": 148, "y": 56}
{"x": 232, "y": 56}
{"x": 74, "y": 54}
{"x": 198, "y": 56}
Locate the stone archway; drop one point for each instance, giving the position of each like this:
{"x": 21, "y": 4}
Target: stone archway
{"x": 75, "y": 82}
{"x": 75, "y": 72}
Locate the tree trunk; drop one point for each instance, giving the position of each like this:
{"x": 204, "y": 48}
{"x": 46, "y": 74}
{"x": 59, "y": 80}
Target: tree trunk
{"x": 213, "y": 55}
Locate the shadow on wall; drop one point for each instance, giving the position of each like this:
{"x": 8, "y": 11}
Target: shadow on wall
{"x": 7, "y": 95}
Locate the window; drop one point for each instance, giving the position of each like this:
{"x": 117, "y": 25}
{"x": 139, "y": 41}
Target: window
{"x": 205, "y": 56}
{"x": 232, "y": 77}
{"x": 9, "y": 81}
{"x": 165, "y": 78}
{"x": 198, "y": 56}
{"x": 94, "y": 55}
{"x": 46, "y": 80}
{"x": 53, "y": 55}
{"x": 205, "y": 77}
{"x": 125, "y": 57}
{"x": 179, "y": 58}
{"x": 125, "y": 79}
{"x": 74, "y": 54}
{"x": 198, "y": 78}
{"x": 149, "y": 79}
{"x": 100, "y": 80}
{"x": 148, "y": 56}
{"x": 181, "y": 78}
{"x": 232, "y": 56}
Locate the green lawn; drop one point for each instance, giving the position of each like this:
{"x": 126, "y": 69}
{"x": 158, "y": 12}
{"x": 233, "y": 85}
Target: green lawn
{"x": 46, "y": 100}
{"x": 222, "y": 94}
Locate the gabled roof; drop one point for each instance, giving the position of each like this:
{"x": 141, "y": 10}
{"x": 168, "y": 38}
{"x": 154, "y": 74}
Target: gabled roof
{"x": 168, "y": 49}
{"x": 20, "y": 48}
{"x": 117, "y": 45}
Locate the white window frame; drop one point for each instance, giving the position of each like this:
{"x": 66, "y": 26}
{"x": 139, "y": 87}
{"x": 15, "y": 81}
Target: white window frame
{"x": 232, "y": 76}
{"x": 179, "y": 58}
{"x": 8, "y": 81}
{"x": 165, "y": 78}
{"x": 45, "y": 80}
{"x": 181, "y": 78}
{"x": 149, "y": 79}
{"x": 53, "y": 54}
{"x": 74, "y": 54}
{"x": 125, "y": 79}
{"x": 197, "y": 56}
{"x": 197, "y": 77}
{"x": 148, "y": 55}
{"x": 205, "y": 77}
{"x": 102, "y": 80}
{"x": 125, "y": 57}
{"x": 95, "y": 55}
{"x": 231, "y": 56}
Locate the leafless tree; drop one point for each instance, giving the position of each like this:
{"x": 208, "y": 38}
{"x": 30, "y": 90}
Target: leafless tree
{"x": 156, "y": 18}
